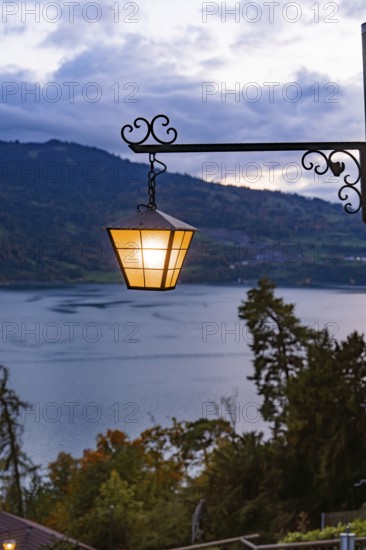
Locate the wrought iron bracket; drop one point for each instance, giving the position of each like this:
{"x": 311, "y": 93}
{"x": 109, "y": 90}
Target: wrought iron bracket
{"x": 159, "y": 126}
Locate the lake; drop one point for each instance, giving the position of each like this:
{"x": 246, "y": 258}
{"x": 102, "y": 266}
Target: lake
{"x": 91, "y": 357}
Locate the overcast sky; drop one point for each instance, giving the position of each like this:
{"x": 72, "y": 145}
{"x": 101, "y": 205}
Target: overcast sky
{"x": 78, "y": 71}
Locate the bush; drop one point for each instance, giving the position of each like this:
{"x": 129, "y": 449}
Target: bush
{"x": 358, "y": 527}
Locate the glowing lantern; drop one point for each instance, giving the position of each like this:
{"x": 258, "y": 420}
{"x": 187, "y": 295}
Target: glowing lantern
{"x": 150, "y": 247}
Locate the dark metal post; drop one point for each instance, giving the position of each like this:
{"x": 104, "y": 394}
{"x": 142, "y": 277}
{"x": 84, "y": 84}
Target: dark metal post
{"x": 363, "y": 29}
{"x": 347, "y": 540}
{"x": 362, "y": 152}
{"x": 363, "y": 181}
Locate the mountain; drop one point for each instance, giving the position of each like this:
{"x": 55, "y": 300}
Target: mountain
{"x": 57, "y": 196}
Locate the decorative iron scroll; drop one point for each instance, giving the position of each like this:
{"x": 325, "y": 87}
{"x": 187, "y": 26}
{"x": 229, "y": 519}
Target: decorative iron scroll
{"x": 337, "y": 168}
{"x": 150, "y": 130}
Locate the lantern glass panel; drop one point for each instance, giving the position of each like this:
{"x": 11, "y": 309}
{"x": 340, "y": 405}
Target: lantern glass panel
{"x": 153, "y": 277}
{"x": 169, "y": 278}
{"x": 130, "y": 257}
{"x": 155, "y": 239}
{"x": 173, "y": 259}
{"x": 181, "y": 256}
{"x": 126, "y": 238}
{"x": 187, "y": 239}
{"x": 178, "y": 237}
{"x": 153, "y": 258}
{"x": 175, "y": 277}
{"x": 135, "y": 277}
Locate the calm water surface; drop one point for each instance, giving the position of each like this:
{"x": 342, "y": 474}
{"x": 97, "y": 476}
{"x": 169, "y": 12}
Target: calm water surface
{"x": 92, "y": 357}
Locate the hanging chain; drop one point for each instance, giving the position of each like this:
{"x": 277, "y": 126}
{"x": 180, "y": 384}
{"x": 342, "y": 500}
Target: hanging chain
{"x": 151, "y": 184}
{"x": 151, "y": 205}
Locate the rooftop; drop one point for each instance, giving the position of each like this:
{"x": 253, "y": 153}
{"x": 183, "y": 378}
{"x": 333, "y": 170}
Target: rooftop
{"x": 30, "y": 535}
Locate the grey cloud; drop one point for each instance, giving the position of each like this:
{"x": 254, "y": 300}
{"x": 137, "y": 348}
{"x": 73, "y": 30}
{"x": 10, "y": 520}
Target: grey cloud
{"x": 356, "y": 8}
{"x": 162, "y": 90}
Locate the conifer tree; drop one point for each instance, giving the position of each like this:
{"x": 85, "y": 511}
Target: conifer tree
{"x": 14, "y": 463}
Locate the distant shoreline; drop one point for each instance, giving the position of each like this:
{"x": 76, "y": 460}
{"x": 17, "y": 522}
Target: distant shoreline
{"x": 39, "y": 285}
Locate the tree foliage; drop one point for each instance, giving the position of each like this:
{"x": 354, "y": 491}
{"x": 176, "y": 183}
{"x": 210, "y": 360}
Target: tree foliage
{"x": 278, "y": 342}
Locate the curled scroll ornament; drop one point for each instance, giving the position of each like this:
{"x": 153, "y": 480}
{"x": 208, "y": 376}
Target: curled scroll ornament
{"x": 150, "y": 130}
{"x": 337, "y": 168}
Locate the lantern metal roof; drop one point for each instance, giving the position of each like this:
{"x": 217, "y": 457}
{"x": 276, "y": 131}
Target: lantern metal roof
{"x": 150, "y": 219}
